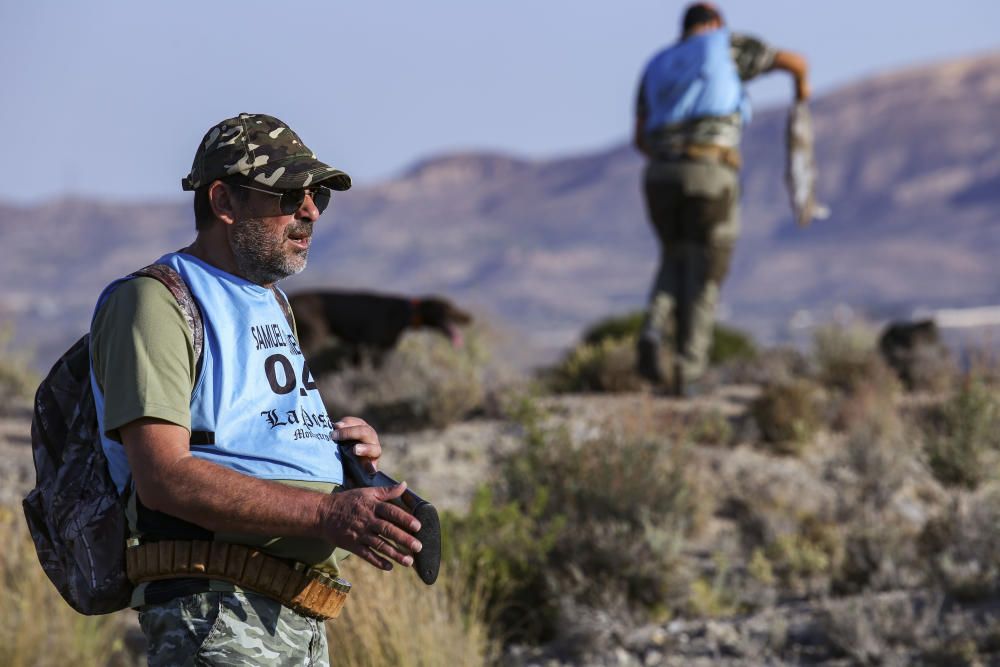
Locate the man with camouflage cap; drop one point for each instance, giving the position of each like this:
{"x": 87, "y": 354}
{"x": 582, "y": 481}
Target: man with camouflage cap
{"x": 222, "y": 444}
{"x": 690, "y": 110}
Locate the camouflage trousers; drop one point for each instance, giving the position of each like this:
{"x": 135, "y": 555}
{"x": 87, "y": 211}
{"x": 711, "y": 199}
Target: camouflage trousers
{"x": 693, "y": 207}
{"x": 237, "y": 628}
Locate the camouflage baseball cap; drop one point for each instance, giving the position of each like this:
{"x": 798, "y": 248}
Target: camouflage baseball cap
{"x": 263, "y": 149}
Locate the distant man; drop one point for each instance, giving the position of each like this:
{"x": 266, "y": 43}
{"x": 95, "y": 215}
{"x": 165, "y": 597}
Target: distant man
{"x": 233, "y": 448}
{"x": 690, "y": 111}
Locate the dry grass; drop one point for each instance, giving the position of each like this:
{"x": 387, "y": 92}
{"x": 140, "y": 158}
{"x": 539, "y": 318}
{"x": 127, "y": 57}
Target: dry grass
{"x": 391, "y": 619}
{"x": 394, "y": 619}
{"x": 17, "y": 380}
{"x": 39, "y": 628}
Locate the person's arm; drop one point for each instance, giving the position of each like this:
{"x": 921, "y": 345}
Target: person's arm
{"x": 796, "y": 65}
{"x": 639, "y": 135}
{"x": 754, "y": 57}
{"x": 169, "y": 479}
{"x": 641, "y": 112}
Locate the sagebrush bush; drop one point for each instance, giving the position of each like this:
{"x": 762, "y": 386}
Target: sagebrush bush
{"x": 424, "y": 383}
{"x": 605, "y": 359}
{"x": 882, "y": 458}
{"x": 17, "y": 379}
{"x": 962, "y": 545}
{"x": 606, "y": 366}
{"x": 773, "y": 365}
{"x": 963, "y": 436}
{"x": 847, "y": 360}
{"x": 877, "y": 449}
{"x": 808, "y": 558}
{"x": 616, "y": 327}
{"x": 788, "y": 415}
{"x": 597, "y": 523}
{"x": 731, "y": 344}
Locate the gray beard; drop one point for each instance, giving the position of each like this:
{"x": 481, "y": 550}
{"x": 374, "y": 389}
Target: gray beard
{"x": 259, "y": 255}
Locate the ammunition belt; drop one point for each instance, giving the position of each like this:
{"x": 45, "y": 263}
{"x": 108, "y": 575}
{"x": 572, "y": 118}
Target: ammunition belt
{"x": 304, "y": 589}
{"x": 704, "y": 153}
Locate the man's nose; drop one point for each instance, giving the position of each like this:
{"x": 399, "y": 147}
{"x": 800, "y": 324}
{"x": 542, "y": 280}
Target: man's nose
{"x": 308, "y": 210}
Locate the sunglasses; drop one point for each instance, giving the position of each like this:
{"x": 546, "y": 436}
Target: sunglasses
{"x": 291, "y": 200}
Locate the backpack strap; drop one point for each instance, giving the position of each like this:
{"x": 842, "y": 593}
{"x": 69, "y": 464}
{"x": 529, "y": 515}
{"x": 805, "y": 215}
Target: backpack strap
{"x": 192, "y": 313}
{"x": 286, "y": 307}
{"x": 173, "y": 281}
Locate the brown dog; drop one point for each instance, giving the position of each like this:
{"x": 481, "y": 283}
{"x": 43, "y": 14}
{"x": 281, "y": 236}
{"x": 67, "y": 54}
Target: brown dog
{"x": 367, "y": 325}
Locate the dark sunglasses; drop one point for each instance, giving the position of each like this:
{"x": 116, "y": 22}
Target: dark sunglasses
{"x": 291, "y": 200}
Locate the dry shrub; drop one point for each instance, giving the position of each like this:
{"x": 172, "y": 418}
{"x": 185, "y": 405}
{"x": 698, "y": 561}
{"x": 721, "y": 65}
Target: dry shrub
{"x": 709, "y": 427}
{"x": 17, "y": 380}
{"x": 880, "y": 542}
{"x": 963, "y": 436}
{"x": 605, "y": 360}
{"x": 773, "y": 365}
{"x": 38, "y": 627}
{"x": 730, "y": 344}
{"x": 787, "y": 414}
{"x": 806, "y": 560}
{"x": 617, "y": 327}
{"x": 873, "y": 631}
{"x": 608, "y": 366}
{"x": 927, "y": 367}
{"x": 711, "y": 598}
{"x": 847, "y": 360}
{"x": 908, "y": 628}
{"x": 880, "y": 553}
{"x": 424, "y": 383}
{"x": 394, "y": 619}
{"x": 595, "y": 524}
{"x": 876, "y": 449}
{"x": 962, "y": 545}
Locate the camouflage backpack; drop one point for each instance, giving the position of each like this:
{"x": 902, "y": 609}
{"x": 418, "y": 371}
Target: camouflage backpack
{"x": 75, "y": 514}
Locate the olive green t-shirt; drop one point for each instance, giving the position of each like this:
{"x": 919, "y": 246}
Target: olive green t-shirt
{"x": 143, "y": 361}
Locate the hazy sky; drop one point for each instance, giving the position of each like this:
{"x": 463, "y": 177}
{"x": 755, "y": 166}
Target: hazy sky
{"x": 110, "y": 98}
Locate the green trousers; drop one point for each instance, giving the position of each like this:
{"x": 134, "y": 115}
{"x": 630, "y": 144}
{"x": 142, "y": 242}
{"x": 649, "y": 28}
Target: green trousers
{"x": 693, "y": 207}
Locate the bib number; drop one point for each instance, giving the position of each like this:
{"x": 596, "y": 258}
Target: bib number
{"x": 281, "y": 375}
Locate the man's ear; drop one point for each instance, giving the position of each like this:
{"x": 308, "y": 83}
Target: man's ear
{"x": 222, "y": 202}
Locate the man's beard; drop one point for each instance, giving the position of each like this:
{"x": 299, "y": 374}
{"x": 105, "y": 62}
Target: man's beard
{"x": 260, "y": 255}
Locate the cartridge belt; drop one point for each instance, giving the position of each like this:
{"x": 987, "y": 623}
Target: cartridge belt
{"x": 295, "y": 585}
{"x": 701, "y": 152}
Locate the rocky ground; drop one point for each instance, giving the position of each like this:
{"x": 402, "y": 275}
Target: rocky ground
{"x": 916, "y": 625}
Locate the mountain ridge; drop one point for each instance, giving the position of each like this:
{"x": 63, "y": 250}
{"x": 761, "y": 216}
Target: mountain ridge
{"x": 909, "y": 162}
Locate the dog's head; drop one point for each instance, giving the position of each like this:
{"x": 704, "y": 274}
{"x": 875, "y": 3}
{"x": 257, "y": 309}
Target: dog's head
{"x": 910, "y": 335}
{"x": 443, "y": 316}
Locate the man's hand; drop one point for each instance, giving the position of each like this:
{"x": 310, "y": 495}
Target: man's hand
{"x": 366, "y": 524}
{"x": 367, "y": 447}
{"x": 802, "y": 90}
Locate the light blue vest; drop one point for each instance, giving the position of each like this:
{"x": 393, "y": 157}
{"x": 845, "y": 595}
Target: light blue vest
{"x": 254, "y": 391}
{"x": 694, "y": 78}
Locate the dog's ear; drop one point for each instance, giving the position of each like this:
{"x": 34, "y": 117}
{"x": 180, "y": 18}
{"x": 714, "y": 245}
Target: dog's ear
{"x": 458, "y": 316}
{"x": 439, "y": 313}
{"x": 442, "y": 315}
